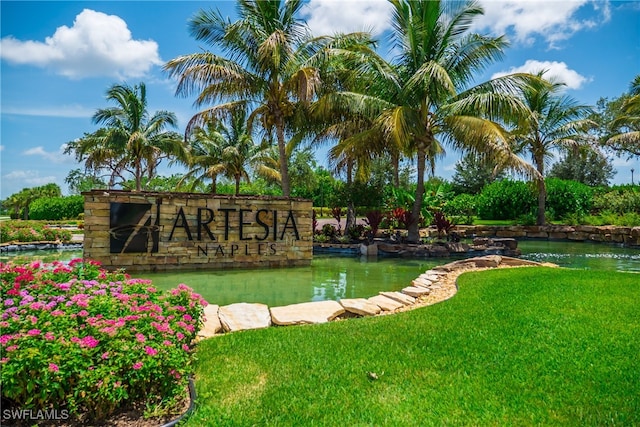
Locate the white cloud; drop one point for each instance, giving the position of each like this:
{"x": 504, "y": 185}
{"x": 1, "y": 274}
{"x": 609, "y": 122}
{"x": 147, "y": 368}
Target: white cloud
{"x": 558, "y": 71}
{"x": 96, "y": 45}
{"x": 30, "y": 177}
{"x": 66, "y": 111}
{"x": 554, "y": 21}
{"x": 51, "y": 156}
{"x": 336, "y": 16}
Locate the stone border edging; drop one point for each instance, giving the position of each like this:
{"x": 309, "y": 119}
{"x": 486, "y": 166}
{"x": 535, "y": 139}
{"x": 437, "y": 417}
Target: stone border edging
{"x": 433, "y": 286}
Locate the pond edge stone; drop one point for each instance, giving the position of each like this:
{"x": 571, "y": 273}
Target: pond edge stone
{"x": 432, "y": 286}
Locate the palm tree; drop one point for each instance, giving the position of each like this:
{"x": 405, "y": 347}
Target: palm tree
{"x": 228, "y": 148}
{"x": 272, "y": 67}
{"x": 625, "y": 136}
{"x": 204, "y": 156}
{"x": 554, "y": 121}
{"x": 424, "y": 97}
{"x": 133, "y": 140}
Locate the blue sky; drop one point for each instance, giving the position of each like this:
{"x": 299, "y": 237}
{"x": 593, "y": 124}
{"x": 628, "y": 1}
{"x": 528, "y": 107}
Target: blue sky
{"x": 58, "y": 59}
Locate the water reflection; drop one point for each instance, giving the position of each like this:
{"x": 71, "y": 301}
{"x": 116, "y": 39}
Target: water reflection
{"x": 592, "y": 256}
{"x": 334, "y": 278}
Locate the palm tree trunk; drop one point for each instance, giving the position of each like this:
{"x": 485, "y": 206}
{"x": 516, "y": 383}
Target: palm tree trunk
{"x": 138, "y": 170}
{"x": 351, "y": 214}
{"x": 282, "y": 152}
{"x": 542, "y": 199}
{"x": 542, "y": 190}
{"x": 395, "y": 158}
{"x": 237, "y": 184}
{"x": 414, "y": 227}
{"x": 214, "y": 184}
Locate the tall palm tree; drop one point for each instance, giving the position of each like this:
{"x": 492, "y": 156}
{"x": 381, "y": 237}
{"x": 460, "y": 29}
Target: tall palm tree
{"x": 425, "y": 97}
{"x": 625, "y": 126}
{"x": 271, "y": 66}
{"x": 132, "y": 139}
{"x": 554, "y": 122}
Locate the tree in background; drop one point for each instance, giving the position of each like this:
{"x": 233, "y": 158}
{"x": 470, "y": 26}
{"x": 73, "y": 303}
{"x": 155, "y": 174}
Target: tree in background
{"x": 473, "y": 172}
{"x": 19, "y": 202}
{"x": 623, "y": 131}
{"x": 227, "y": 148}
{"x": 590, "y": 167}
{"x": 131, "y": 140}
{"x": 554, "y": 122}
{"x": 203, "y": 157}
{"x": 78, "y": 182}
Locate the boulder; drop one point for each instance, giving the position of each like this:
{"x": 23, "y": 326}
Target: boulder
{"x": 212, "y": 323}
{"x": 385, "y": 303}
{"x": 306, "y": 313}
{"x": 242, "y": 316}
{"x": 360, "y": 306}
{"x": 415, "y": 291}
{"x": 400, "y": 297}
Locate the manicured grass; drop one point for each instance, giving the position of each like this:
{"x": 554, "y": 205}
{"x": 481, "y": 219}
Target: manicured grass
{"x": 528, "y": 346}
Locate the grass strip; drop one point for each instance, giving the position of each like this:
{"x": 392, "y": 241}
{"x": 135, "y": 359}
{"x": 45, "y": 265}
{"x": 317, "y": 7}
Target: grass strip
{"x": 527, "y": 346}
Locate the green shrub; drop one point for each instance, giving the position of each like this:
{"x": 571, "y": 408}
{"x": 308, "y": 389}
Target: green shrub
{"x": 56, "y": 208}
{"x": 506, "y": 199}
{"x": 462, "y": 208}
{"x": 567, "y": 198}
{"x": 31, "y": 231}
{"x": 620, "y": 200}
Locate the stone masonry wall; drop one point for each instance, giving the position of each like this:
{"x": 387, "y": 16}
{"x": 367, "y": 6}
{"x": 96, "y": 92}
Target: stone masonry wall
{"x": 170, "y": 231}
{"x": 628, "y": 236}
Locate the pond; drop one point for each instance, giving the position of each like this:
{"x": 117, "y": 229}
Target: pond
{"x": 337, "y": 277}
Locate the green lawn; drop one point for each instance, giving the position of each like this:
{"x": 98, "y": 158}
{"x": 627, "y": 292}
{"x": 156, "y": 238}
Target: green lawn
{"x": 528, "y": 346}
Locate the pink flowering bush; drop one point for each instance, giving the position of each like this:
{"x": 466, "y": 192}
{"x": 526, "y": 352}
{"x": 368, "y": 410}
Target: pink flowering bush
{"x": 79, "y": 337}
{"x": 31, "y": 231}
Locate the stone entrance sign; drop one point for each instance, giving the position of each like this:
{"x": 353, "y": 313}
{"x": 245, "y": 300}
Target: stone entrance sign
{"x": 168, "y": 231}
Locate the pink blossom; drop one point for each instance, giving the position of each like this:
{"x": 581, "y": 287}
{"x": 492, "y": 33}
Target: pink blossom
{"x": 187, "y": 318}
{"x": 89, "y": 341}
{"x": 49, "y": 336}
{"x": 167, "y": 343}
{"x": 53, "y": 367}
{"x": 11, "y": 348}
{"x": 36, "y": 306}
{"x": 57, "y": 313}
{"x": 83, "y": 313}
{"x": 137, "y": 365}
{"x": 4, "y": 339}
{"x": 140, "y": 337}
{"x": 8, "y": 302}
{"x": 185, "y": 347}
{"x": 105, "y": 355}
{"x": 180, "y": 335}
{"x": 33, "y": 332}
{"x": 150, "y": 351}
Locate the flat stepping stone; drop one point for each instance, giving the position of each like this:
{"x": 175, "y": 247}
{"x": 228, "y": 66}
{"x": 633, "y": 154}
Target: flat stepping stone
{"x": 212, "y": 323}
{"x": 306, "y": 313}
{"x": 415, "y": 291}
{"x": 514, "y": 262}
{"x": 243, "y": 316}
{"x": 360, "y": 306}
{"x": 385, "y": 303}
{"x": 421, "y": 282}
{"x": 400, "y": 297}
